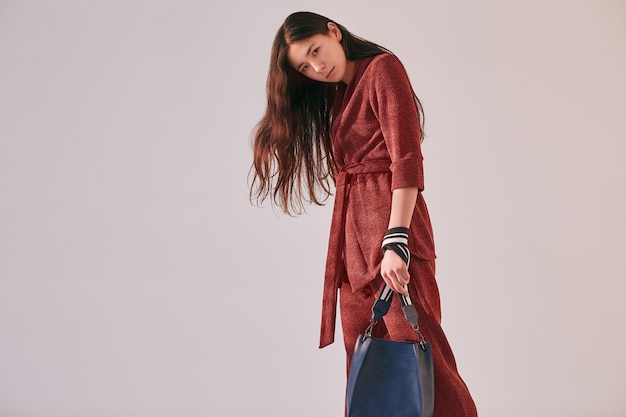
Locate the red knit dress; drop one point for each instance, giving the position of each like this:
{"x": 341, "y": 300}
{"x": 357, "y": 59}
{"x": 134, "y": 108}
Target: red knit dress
{"x": 376, "y": 143}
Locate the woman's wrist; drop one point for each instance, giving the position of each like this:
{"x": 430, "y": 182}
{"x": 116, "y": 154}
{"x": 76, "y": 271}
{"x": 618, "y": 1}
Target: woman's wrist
{"x": 397, "y": 240}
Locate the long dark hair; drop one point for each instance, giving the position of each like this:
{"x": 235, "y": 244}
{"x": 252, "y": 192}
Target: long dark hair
{"x": 293, "y": 157}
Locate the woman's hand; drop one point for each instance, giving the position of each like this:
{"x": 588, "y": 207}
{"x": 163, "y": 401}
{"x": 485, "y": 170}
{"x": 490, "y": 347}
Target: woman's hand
{"x": 393, "y": 269}
{"x": 394, "y": 272}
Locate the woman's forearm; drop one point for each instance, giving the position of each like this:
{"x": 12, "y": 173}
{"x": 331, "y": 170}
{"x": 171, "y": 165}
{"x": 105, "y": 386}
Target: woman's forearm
{"x": 402, "y": 206}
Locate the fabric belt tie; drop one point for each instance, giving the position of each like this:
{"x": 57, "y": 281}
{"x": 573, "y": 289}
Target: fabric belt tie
{"x": 336, "y": 242}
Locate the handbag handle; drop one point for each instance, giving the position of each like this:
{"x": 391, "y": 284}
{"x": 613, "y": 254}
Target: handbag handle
{"x": 381, "y": 307}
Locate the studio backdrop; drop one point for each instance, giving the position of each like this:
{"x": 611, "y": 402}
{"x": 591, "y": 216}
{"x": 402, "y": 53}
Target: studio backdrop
{"x": 136, "y": 279}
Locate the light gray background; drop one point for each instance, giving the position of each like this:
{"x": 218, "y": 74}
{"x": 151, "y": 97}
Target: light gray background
{"x": 137, "y": 280}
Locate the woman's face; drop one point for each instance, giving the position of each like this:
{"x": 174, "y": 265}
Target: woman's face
{"x": 321, "y": 57}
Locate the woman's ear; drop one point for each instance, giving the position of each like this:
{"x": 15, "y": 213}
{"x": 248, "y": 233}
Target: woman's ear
{"x": 334, "y": 31}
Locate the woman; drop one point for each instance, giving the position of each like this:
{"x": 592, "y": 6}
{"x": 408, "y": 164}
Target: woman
{"x": 342, "y": 110}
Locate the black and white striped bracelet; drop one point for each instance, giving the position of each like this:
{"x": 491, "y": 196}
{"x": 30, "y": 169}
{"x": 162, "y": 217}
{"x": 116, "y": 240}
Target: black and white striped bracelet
{"x": 397, "y": 239}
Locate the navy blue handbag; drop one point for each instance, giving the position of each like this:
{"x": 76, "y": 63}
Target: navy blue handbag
{"x": 390, "y": 378}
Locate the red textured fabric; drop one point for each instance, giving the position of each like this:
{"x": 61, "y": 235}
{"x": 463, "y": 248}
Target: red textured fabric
{"x": 376, "y": 141}
{"x": 375, "y": 122}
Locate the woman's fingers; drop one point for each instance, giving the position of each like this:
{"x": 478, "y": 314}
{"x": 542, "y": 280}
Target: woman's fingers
{"x": 403, "y": 276}
{"x": 397, "y": 279}
{"x": 401, "y": 283}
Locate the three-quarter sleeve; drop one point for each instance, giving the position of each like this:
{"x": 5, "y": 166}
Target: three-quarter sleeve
{"x": 391, "y": 98}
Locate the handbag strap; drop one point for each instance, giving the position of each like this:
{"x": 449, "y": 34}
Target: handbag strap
{"x": 381, "y": 307}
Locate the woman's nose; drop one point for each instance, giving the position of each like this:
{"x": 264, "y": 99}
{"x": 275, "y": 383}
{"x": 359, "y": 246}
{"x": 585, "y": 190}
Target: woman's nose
{"x": 318, "y": 67}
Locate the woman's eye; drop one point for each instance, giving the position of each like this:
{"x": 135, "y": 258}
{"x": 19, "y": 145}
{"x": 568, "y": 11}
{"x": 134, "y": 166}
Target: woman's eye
{"x": 304, "y": 68}
{"x": 315, "y": 51}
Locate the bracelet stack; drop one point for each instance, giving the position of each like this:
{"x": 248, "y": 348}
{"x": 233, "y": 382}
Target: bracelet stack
{"x": 397, "y": 239}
